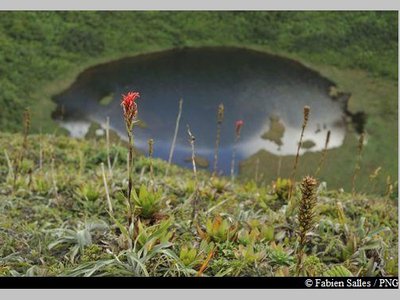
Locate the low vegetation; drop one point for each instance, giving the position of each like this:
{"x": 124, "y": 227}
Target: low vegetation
{"x": 97, "y": 207}
{"x": 55, "y": 219}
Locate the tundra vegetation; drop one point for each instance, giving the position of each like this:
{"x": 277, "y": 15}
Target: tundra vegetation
{"x": 97, "y": 207}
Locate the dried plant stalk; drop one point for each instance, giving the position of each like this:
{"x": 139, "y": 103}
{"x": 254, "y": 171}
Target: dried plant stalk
{"x": 108, "y": 146}
{"x": 151, "y": 150}
{"x": 194, "y": 196}
{"x": 220, "y": 118}
{"x": 192, "y": 140}
{"x": 324, "y": 153}
{"x": 171, "y": 152}
{"x": 53, "y": 177}
{"x": 238, "y": 127}
{"x": 306, "y": 114}
{"x": 110, "y": 209}
{"x": 9, "y": 164}
{"x": 358, "y": 162}
{"x": 256, "y": 169}
{"x": 40, "y": 151}
{"x": 24, "y": 147}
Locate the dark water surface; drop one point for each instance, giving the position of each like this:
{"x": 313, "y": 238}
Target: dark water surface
{"x": 253, "y": 86}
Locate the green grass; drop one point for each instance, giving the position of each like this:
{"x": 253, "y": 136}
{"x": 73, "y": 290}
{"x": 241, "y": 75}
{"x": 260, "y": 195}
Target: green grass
{"x": 54, "y": 220}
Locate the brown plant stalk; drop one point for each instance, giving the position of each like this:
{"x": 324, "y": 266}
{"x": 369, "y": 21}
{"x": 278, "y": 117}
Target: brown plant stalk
{"x": 151, "y": 151}
{"x": 306, "y": 114}
{"x": 358, "y": 162}
{"x": 195, "y": 193}
{"x": 171, "y": 152}
{"x": 108, "y": 146}
{"x": 238, "y": 128}
{"x": 24, "y": 147}
{"x": 220, "y": 118}
{"x": 324, "y": 153}
{"x": 306, "y": 214}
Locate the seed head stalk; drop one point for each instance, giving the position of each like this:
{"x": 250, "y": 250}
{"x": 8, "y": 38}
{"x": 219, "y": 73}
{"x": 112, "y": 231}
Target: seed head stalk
{"x": 40, "y": 151}
{"x": 324, "y": 153}
{"x": 195, "y": 193}
{"x": 108, "y": 146}
{"x": 279, "y": 166}
{"x": 21, "y": 154}
{"x": 110, "y": 209}
{"x": 256, "y": 170}
{"x": 220, "y": 118}
{"x": 358, "y": 162}
{"x": 192, "y": 140}
{"x": 306, "y": 114}
{"x": 151, "y": 151}
{"x": 306, "y": 215}
{"x": 238, "y": 128}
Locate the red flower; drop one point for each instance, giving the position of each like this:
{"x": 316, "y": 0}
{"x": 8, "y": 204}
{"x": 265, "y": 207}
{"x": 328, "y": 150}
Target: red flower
{"x": 129, "y": 106}
{"x": 238, "y": 126}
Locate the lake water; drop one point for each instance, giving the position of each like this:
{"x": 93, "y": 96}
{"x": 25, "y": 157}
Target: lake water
{"x": 253, "y": 87}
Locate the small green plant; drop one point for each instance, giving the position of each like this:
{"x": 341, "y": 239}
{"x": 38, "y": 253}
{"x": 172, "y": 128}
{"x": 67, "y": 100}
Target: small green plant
{"x": 267, "y": 233}
{"x": 220, "y": 230}
{"x": 218, "y": 184}
{"x": 149, "y": 236}
{"x": 246, "y": 237}
{"x": 89, "y": 192}
{"x": 195, "y": 257}
{"x": 147, "y": 202}
{"x": 77, "y": 239}
{"x": 313, "y": 266}
{"x": 338, "y": 271}
{"x": 249, "y": 254}
{"x": 282, "y": 188}
{"x": 188, "y": 255}
{"x": 280, "y": 256}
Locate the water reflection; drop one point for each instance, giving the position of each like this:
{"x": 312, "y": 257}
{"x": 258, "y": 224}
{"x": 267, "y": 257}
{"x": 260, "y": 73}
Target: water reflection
{"x": 252, "y": 86}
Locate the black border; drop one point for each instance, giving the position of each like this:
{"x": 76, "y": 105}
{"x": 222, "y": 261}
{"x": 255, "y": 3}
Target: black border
{"x": 193, "y": 282}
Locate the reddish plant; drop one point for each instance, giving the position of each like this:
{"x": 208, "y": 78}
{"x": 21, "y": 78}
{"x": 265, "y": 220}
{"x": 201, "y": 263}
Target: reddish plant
{"x": 238, "y": 126}
{"x": 130, "y": 110}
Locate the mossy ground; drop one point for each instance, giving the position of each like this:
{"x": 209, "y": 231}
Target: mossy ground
{"x": 54, "y": 220}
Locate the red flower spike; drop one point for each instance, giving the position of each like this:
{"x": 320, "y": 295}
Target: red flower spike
{"x": 129, "y": 106}
{"x": 238, "y": 126}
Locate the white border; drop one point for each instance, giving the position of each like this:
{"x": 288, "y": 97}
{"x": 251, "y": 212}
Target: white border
{"x": 196, "y": 5}
{"x": 199, "y": 5}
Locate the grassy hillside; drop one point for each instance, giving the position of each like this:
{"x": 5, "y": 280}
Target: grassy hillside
{"x": 54, "y": 220}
